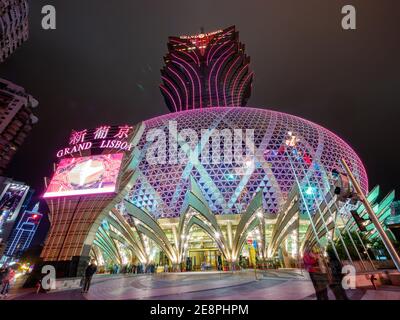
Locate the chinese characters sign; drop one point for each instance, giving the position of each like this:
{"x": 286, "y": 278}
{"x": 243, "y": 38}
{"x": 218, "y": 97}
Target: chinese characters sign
{"x": 103, "y": 137}
{"x": 85, "y": 175}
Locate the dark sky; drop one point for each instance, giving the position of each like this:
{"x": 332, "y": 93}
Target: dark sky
{"x": 102, "y": 65}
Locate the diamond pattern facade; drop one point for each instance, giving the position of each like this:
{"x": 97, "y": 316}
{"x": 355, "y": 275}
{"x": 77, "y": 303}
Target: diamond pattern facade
{"x": 274, "y": 168}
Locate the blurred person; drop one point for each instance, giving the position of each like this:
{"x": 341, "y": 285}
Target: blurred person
{"x": 313, "y": 265}
{"x": 89, "y": 272}
{"x": 336, "y": 276}
{"x": 8, "y": 278}
{"x": 2, "y": 273}
{"x": 219, "y": 262}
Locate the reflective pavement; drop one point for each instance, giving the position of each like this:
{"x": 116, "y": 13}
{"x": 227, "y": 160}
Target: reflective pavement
{"x": 241, "y": 285}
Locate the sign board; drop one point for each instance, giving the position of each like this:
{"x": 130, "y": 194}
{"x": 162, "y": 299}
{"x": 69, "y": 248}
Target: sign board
{"x": 97, "y": 140}
{"x": 85, "y": 175}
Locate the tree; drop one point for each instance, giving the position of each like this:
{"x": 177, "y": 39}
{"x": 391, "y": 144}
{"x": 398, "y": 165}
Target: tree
{"x": 351, "y": 248}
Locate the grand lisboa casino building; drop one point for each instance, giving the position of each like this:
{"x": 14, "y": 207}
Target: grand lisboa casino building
{"x": 210, "y": 183}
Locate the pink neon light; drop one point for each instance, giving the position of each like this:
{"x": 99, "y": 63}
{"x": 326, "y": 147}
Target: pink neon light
{"x": 78, "y": 192}
{"x": 209, "y": 51}
{"x": 85, "y": 175}
{"x": 234, "y": 83}
{"x": 198, "y": 60}
{"x": 241, "y": 87}
{"x": 184, "y": 86}
{"x": 218, "y": 72}
{"x": 176, "y": 91}
{"x": 211, "y": 71}
{"x": 191, "y": 80}
{"x": 218, "y": 48}
{"x": 182, "y": 43}
{"x": 226, "y": 77}
{"x": 198, "y": 79}
{"x": 208, "y": 61}
{"x": 170, "y": 96}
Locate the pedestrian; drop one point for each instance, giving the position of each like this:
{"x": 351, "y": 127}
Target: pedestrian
{"x": 336, "y": 276}
{"x": 38, "y": 286}
{"x": 319, "y": 279}
{"x": 8, "y": 277}
{"x": 219, "y": 262}
{"x": 2, "y": 274}
{"x": 89, "y": 272}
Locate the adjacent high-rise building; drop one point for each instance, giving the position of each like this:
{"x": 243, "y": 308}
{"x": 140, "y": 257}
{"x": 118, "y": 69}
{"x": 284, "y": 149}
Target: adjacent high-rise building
{"x": 205, "y": 70}
{"x": 16, "y": 116}
{"x": 13, "y": 26}
{"x": 22, "y": 235}
{"x": 14, "y": 198}
{"x": 16, "y": 119}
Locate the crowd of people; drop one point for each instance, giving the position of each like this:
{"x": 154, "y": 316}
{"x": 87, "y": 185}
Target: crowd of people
{"x": 133, "y": 268}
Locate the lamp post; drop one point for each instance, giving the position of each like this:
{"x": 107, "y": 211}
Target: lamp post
{"x": 388, "y": 244}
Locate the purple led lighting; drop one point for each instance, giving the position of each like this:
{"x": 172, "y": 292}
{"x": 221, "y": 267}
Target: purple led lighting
{"x": 191, "y": 80}
{"x": 242, "y": 86}
{"x": 216, "y": 50}
{"x": 202, "y": 62}
{"x": 161, "y": 189}
{"x": 218, "y": 72}
{"x": 198, "y": 79}
{"x": 183, "y": 85}
{"x": 226, "y": 77}
{"x": 176, "y": 91}
{"x": 196, "y": 61}
{"x": 210, "y": 75}
{"x": 235, "y": 82}
{"x": 170, "y": 96}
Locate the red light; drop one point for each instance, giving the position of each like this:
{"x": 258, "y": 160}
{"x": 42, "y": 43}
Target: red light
{"x": 34, "y": 216}
{"x": 307, "y": 159}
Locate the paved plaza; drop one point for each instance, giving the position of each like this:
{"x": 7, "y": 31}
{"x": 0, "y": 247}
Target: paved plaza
{"x": 270, "y": 285}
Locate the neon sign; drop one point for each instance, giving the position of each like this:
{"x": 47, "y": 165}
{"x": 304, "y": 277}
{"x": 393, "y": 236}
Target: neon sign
{"x": 101, "y": 138}
{"x": 201, "y": 35}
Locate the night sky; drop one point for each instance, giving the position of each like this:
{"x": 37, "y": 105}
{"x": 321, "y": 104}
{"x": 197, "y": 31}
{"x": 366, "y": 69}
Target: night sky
{"x": 101, "y": 66}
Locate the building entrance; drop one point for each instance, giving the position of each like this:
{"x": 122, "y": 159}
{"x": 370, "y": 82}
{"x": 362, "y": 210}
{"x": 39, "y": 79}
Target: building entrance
{"x": 204, "y": 259}
{"x": 203, "y": 253}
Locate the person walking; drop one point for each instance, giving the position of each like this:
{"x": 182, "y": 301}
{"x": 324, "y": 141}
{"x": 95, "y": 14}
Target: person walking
{"x": 2, "y": 274}
{"x": 336, "y": 276}
{"x": 312, "y": 263}
{"x": 89, "y": 272}
{"x": 8, "y": 277}
{"x": 219, "y": 262}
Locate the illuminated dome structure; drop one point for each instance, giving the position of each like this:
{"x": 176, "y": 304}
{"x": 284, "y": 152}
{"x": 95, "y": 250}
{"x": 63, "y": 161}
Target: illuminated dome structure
{"x": 229, "y": 187}
{"x": 211, "y": 182}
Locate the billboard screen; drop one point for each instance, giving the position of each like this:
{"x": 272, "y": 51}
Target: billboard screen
{"x": 85, "y": 175}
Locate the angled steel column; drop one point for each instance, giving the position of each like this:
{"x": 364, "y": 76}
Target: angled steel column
{"x": 388, "y": 244}
{"x": 229, "y": 232}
